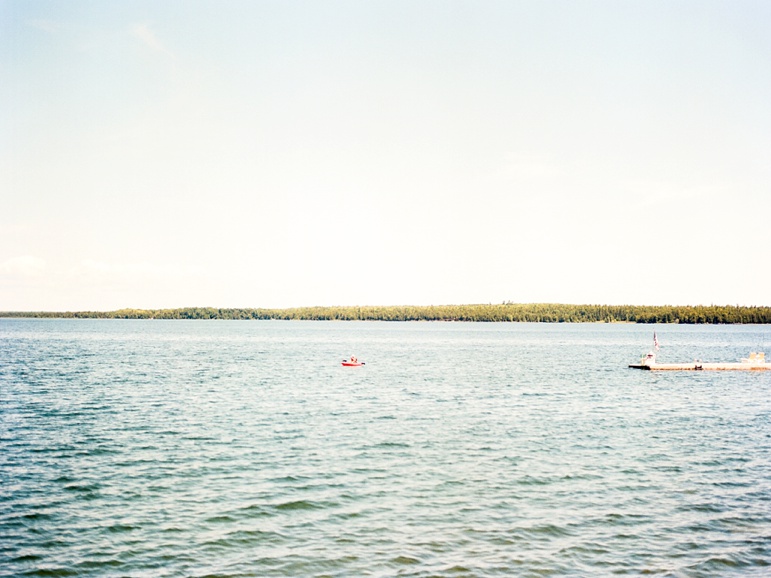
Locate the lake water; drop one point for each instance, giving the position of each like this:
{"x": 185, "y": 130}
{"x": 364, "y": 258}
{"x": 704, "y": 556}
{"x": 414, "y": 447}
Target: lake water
{"x": 218, "y": 448}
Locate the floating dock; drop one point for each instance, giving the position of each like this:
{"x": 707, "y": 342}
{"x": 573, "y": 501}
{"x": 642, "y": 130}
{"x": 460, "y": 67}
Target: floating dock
{"x": 701, "y": 366}
{"x": 755, "y": 362}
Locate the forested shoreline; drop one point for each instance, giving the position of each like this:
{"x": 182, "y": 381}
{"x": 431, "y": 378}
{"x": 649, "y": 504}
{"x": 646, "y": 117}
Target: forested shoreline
{"x": 505, "y": 312}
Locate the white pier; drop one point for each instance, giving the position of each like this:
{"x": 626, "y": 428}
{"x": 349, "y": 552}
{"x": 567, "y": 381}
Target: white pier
{"x": 755, "y": 362}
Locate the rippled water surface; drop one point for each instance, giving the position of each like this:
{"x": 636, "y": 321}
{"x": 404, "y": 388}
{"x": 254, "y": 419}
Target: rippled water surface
{"x": 217, "y": 448}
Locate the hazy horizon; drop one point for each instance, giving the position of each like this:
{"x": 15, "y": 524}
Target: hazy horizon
{"x": 392, "y": 306}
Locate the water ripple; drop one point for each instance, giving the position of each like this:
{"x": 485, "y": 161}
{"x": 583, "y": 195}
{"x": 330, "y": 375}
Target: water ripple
{"x": 243, "y": 449}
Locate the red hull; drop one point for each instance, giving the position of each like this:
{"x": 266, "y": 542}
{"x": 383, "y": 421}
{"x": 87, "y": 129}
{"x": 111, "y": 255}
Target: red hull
{"x": 349, "y": 364}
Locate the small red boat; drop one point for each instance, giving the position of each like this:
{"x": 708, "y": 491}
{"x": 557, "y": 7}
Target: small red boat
{"x": 353, "y": 362}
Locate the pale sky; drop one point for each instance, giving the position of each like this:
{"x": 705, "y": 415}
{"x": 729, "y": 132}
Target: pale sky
{"x": 290, "y": 153}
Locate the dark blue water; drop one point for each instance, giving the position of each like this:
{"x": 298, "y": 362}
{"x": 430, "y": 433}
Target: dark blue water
{"x": 216, "y": 448}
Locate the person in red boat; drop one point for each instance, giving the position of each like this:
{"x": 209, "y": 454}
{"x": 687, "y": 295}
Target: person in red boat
{"x": 353, "y": 359}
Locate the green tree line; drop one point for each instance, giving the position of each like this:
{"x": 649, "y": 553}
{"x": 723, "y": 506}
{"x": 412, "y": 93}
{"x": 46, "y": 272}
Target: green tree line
{"x": 509, "y": 312}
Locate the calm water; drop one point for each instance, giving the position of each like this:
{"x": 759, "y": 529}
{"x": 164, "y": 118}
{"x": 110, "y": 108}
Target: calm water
{"x": 216, "y": 448}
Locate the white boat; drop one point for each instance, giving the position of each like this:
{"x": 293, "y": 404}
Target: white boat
{"x": 755, "y": 358}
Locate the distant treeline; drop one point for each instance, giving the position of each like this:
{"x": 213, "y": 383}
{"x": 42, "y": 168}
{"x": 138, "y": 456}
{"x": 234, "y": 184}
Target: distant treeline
{"x": 532, "y": 312}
